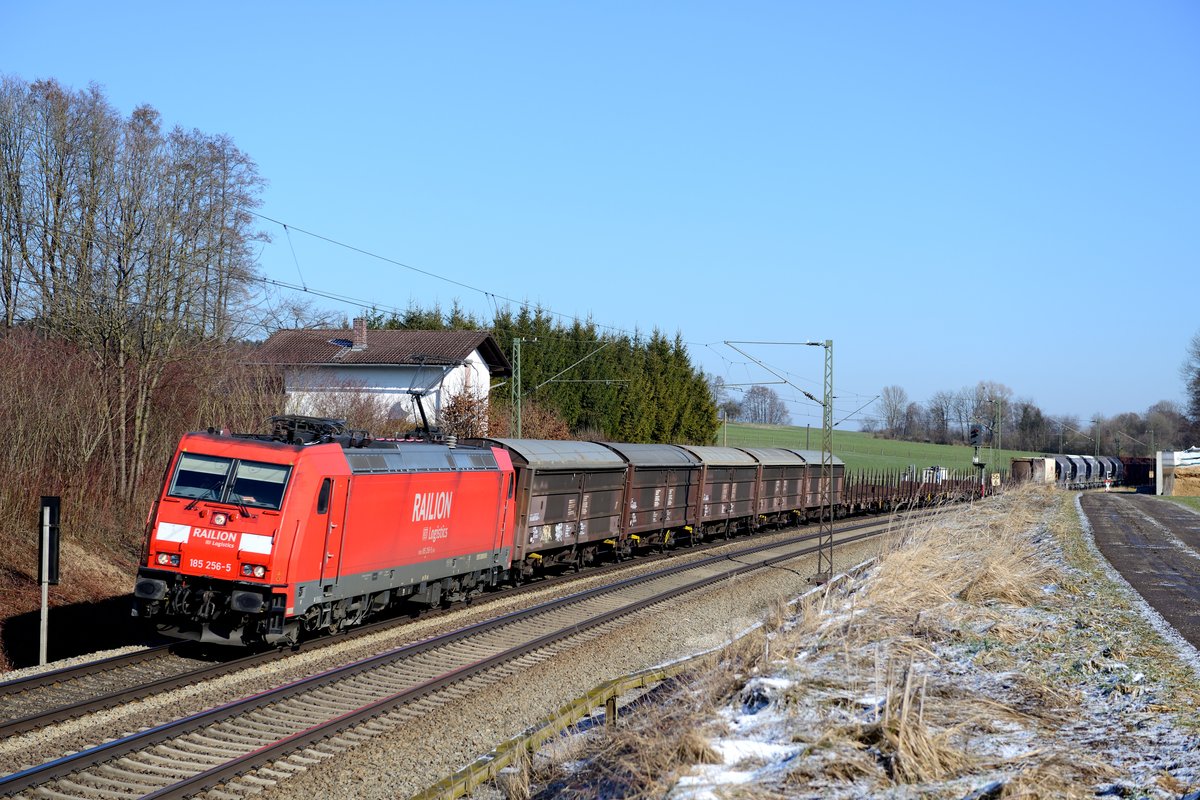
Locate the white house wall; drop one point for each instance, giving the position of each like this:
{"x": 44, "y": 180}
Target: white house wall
{"x": 309, "y": 388}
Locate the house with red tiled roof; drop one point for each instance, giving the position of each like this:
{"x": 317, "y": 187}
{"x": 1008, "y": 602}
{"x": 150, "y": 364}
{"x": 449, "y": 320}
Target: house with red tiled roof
{"x": 394, "y": 367}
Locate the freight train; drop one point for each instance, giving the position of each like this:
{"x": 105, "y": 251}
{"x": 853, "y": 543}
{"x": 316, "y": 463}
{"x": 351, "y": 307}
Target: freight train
{"x": 1070, "y": 472}
{"x": 311, "y": 528}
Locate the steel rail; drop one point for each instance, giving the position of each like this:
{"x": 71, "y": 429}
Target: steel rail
{"x": 112, "y": 699}
{"x": 128, "y": 694}
{"x": 53, "y": 677}
{"x": 142, "y": 740}
{"x": 238, "y": 766}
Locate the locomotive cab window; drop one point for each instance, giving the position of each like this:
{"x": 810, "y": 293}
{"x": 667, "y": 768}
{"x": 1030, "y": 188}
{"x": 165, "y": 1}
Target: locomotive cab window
{"x": 260, "y": 485}
{"x": 200, "y": 477}
{"x": 225, "y": 480}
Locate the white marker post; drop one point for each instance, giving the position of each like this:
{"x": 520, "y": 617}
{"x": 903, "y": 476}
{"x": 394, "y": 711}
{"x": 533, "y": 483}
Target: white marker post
{"x": 47, "y": 567}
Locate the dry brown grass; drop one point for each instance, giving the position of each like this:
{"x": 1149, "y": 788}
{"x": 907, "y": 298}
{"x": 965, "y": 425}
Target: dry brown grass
{"x": 1057, "y": 774}
{"x": 56, "y": 409}
{"x": 647, "y": 752}
{"x": 913, "y": 676}
{"x": 514, "y": 780}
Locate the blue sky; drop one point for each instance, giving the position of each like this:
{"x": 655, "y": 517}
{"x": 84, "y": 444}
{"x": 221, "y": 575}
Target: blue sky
{"x": 951, "y": 192}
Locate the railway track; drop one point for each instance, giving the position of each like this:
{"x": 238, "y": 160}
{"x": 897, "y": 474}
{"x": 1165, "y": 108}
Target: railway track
{"x": 190, "y": 755}
{"x": 48, "y": 698}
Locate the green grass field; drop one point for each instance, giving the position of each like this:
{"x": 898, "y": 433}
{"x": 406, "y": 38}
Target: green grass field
{"x": 1190, "y": 502}
{"x": 862, "y": 451}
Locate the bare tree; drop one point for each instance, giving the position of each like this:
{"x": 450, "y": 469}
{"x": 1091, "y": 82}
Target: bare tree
{"x": 729, "y": 409}
{"x": 916, "y": 422}
{"x": 1030, "y": 429}
{"x": 893, "y": 402}
{"x": 464, "y": 414}
{"x": 963, "y": 410}
{"x": 538, "y": 421}
{"x": 762, "y": 405}
{"x": 1190, "y": 372}
{"x": 1169, "y": 425}
{"x": 15, "y": 145}
{"x": 132, "y": 243}
{"x": 993, "y": 404}
{"x": 941, "y": 406}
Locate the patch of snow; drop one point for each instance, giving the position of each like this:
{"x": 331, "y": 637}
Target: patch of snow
{"x": 735, "y": 751}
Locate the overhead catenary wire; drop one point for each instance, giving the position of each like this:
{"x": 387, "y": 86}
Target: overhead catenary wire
{"x": 366, "y": 305}
{"x": 296, "y": 260}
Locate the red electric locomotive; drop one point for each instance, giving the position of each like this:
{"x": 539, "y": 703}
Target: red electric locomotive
{"x": 312, "y": 527}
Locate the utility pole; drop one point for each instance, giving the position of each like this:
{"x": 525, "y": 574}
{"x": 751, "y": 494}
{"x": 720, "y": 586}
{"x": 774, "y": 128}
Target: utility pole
{"x": 516, "y": 386}
{"x": 825, "y": 492}
{"x": 1000, "y": 435}
{"x": 825, "y": 540}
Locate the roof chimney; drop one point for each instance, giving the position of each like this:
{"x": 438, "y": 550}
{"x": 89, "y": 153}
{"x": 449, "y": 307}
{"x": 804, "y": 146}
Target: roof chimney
{"x": 360, "y": 333}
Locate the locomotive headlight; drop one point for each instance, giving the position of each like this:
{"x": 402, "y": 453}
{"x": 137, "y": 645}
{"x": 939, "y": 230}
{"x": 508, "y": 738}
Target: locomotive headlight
{"x": 220, "y": 518}
{"x": 168, "y": 559}
{"x": 254, "y": 570}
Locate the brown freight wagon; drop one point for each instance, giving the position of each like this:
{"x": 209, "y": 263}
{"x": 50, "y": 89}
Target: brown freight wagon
{"x": 813, "y": 502}
{"x": 661, "y": 486}
{"x": 729, "y": 478}
{"x": 780, "y": 494}
{"x": 568, "y": 499}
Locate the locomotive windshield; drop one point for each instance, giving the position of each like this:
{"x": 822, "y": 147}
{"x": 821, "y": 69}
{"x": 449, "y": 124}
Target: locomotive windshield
{"x": 228, "y": 480}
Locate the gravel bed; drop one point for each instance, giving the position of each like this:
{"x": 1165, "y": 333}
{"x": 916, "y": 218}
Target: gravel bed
{"x": 444, "y": 743}
{"x": 38, "y": 669}
{"x": 399, "y": 761}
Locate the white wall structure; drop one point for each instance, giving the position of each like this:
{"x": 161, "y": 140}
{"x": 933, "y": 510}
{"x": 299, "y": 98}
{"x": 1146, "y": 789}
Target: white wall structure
{"x": 308, "y": 388}
{"x": 385, "y": 367}
{"x": 1177, "y": 473}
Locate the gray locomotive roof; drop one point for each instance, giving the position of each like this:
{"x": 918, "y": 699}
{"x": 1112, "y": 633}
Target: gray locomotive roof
{"x": 721, "y": 456}
{"x": 555, "y": 454}
{"x": 814, "y": 457}
{"x": 653, "y": 455}
{"x": 775, "y": 456}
